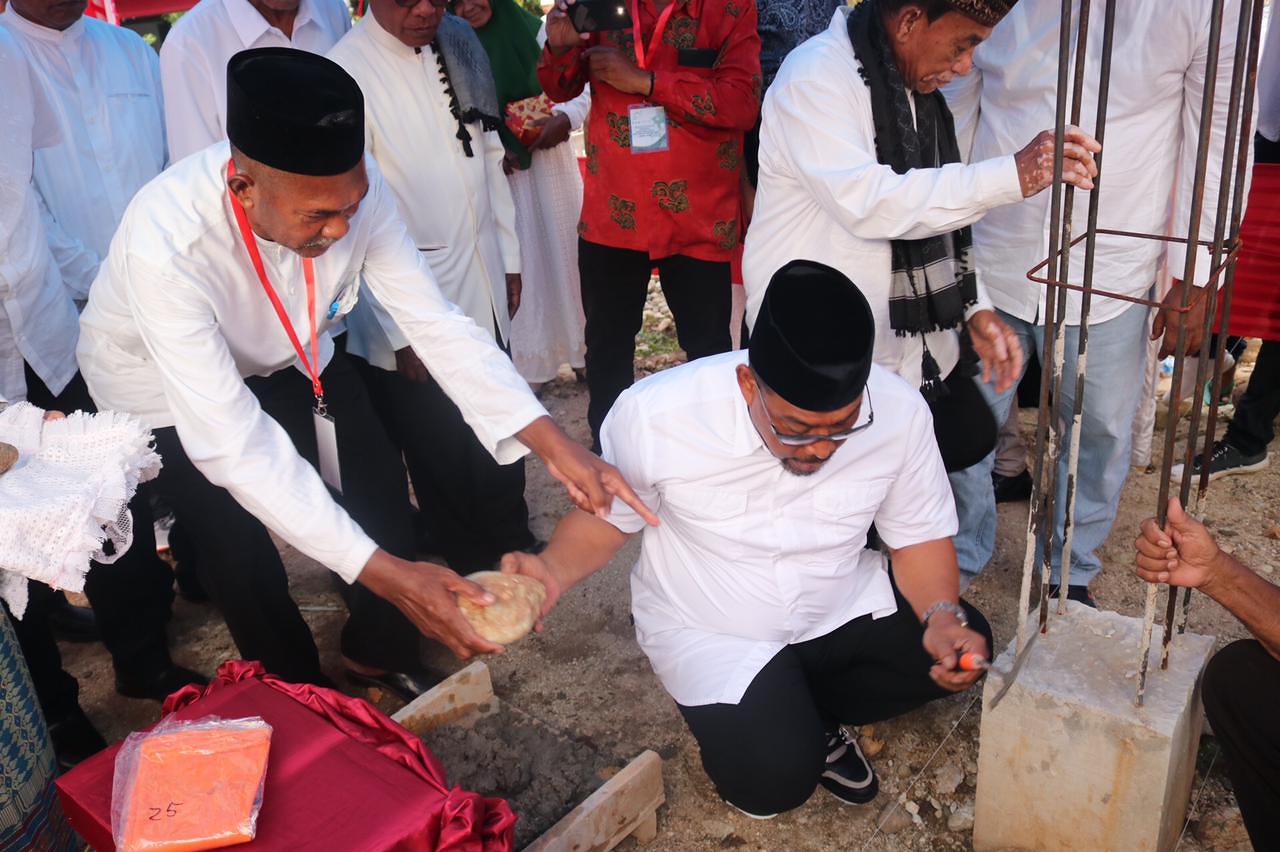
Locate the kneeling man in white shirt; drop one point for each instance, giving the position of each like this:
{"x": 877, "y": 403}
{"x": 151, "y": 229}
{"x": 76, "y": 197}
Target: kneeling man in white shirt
{"x": 757, "y": 600}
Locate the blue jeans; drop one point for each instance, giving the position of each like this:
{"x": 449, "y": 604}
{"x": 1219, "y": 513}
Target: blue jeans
{"x": 1113, "y": 388}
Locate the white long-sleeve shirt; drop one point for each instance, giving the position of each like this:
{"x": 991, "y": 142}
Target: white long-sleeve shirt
{"x": 177, "y": 319}
{"x": 458, "y": 209}
{"x": 103, "y": 83}
{"x": 1158, "y": 73}
{"x": 38, "y": 321}
{"x": 1269, "y": 81}
{"x": 824, "y": 196}
{"x": 750, "y": 558}
{"x": 193, "y": 60}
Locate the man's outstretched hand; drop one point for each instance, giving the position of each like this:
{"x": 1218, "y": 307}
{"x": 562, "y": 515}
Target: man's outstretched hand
{"x": 997, "y": 347}
{"x": 592, "y": 483}
{"x": 428, "y": 596}
{"x": 1035, "y": 162}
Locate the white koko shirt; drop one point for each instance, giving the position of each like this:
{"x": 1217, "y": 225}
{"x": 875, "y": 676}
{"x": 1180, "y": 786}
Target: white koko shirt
{"x": 178, "y": 319}
{"x": 103, "y": 83}
{"x": 823, "y": 195}
{"x": 458, "y": 209}
{"x": 1158, "y": 71}
{"x": 193, "y": 60}
{"x": 38, "y": 321}
{"x": 749, "y": 558}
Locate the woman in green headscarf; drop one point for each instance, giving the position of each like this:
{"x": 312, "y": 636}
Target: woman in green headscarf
{"x": 547, "y": 188}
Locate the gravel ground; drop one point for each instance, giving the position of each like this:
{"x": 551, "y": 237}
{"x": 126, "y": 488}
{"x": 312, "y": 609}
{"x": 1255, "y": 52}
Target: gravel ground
{"x": 586, "y": 675}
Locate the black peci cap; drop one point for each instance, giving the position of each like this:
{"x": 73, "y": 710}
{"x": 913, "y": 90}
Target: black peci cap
{"x": 814, "y": 336}
{"x": 294, "y": 111}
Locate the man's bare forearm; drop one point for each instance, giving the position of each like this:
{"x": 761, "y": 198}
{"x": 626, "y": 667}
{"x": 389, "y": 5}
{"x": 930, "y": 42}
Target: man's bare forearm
{"x": 927, "y": 573}
{"x": 1250, "y": 598}
{"x": 581, "y": 545}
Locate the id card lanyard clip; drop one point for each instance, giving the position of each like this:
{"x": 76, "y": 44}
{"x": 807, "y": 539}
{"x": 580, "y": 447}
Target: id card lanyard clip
{"x": 326, "y": 435}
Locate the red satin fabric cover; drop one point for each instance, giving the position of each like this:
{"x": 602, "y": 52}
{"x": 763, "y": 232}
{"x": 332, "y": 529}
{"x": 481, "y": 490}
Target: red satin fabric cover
{"x": 340, "y": 776}
{"x": 1255, "y": 301}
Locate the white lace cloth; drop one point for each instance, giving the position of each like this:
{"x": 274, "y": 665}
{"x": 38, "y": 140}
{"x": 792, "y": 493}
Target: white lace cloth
{"x": 67, "y": 495}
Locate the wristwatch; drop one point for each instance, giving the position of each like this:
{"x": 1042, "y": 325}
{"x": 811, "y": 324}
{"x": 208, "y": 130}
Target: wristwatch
{"x": 953, "y": 608}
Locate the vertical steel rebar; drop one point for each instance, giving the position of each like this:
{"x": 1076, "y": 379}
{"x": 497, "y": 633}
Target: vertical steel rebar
{"x": 1244, "y": 142}
{"x": 1230, "y": 167}
{"x": 1086, "y": 301}
{"x": 1035, "y": 516}
{"x": 1059, "y": 339}
{"x": 1180, "y": 347}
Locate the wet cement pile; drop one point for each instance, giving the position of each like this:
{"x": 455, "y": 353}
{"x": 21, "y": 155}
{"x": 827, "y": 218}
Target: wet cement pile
{"x": 541, "y": 773}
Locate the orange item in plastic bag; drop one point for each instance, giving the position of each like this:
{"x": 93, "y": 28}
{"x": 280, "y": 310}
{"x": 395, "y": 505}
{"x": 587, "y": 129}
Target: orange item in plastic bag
{"x": 522, "y": 114}
{"x": 198, "y": 786}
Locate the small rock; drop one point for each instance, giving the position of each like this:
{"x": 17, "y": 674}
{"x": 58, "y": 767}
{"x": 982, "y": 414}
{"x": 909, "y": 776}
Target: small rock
{"x": 893, "y": 819}
{"x": 716, "y": 828}
{"x": 947, "y": 779}
{"x": 871, "y": 747}
{"x": 971, "y": 766}
{"x": 912, "y": 808}
{"x": 1274, "y": 533}
{"x": 961, "y": 818}
{"x": 1221, "y": 828}
{"x": 665, "y": 324}
{"x": 732, "y": 841}
{"x": 1267, "y": 569}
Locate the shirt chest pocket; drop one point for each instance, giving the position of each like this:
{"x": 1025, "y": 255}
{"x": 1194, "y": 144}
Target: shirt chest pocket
{"x": 844, "y": 513}
{"x": 713, "y": 518}
{"x": 346, "y": 299}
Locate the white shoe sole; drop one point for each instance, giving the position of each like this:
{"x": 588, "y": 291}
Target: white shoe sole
{"x": 1176, "y": 472}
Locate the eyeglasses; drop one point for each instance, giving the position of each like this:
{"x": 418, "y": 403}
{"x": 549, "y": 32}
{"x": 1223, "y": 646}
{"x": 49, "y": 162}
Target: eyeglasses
{"x": 806, "y": 440}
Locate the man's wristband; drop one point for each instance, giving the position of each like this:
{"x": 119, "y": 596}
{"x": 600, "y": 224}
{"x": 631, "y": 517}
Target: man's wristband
{"x": 953, "y": 608}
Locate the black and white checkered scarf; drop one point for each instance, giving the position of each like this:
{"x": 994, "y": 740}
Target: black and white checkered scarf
{"x": 933, "y": 280}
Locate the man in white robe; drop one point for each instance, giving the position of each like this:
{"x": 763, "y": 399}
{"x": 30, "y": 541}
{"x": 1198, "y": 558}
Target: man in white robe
{"x": 100, "y": 98}
{"x": 417, "y": 66}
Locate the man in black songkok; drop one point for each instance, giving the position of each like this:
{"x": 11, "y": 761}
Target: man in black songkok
{"x": 213, "y": 320}
{"x": 762, "y": 609}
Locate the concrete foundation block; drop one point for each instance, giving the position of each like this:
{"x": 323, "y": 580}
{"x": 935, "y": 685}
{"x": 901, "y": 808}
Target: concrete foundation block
{"x": 1068, "y": 761}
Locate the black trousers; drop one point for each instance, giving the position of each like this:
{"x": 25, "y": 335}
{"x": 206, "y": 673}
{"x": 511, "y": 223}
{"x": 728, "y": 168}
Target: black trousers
{"x": 131, "y": 598}
{"x": 474, "y": 507}
{"x": 766, "y": 753}
{"x": 614, "y": 285}
{"x": 1252, "y": 426}
{"x": 1241, "y": 691}
{"x": 239, "y": 565}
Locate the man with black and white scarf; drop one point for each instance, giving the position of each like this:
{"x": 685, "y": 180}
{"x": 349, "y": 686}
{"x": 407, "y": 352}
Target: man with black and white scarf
{"x": 859, "y": 169}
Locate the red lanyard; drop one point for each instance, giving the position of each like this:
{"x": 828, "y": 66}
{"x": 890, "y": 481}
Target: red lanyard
{"x": 308, "y": 272}
{"x": 643, "y": 59}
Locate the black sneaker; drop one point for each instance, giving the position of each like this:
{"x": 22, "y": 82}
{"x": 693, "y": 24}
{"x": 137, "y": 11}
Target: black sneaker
{"x": 1011, "y": 489}
{"x": 1226, "y": 460}
{"x": 848, "y": 776}
{"x": 1079, "y": 594}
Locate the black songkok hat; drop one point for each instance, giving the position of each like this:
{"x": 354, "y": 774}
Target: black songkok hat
{"x": 813, "y": 338}
{"x": 986, "y": 12}
{"x": 294, "y": 111}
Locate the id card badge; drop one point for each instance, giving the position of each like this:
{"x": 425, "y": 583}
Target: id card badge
{"x": 327, "y": 446}
{"x": 648, "y": 129}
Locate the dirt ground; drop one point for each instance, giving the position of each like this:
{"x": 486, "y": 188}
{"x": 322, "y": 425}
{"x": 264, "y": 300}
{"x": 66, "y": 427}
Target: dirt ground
{"x": 586, "y": 675}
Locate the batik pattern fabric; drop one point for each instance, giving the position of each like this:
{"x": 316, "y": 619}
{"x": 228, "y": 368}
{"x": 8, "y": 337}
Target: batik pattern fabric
{"x": 685, "y": 200}
{"x": 785, "y": 24}
{"x": 30, "y": 815}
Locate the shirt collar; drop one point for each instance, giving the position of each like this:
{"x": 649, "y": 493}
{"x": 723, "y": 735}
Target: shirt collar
{"x": 250, "y": 25}
{"x": 21, "y": 25}
{"x": 386, "y": 41}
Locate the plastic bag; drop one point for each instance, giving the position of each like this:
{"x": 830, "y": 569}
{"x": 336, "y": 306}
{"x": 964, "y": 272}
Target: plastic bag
{"x": 185, "y": 786}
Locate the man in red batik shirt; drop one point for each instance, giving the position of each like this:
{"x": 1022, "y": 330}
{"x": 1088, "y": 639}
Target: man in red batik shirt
{"x": 670, "y": 100}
